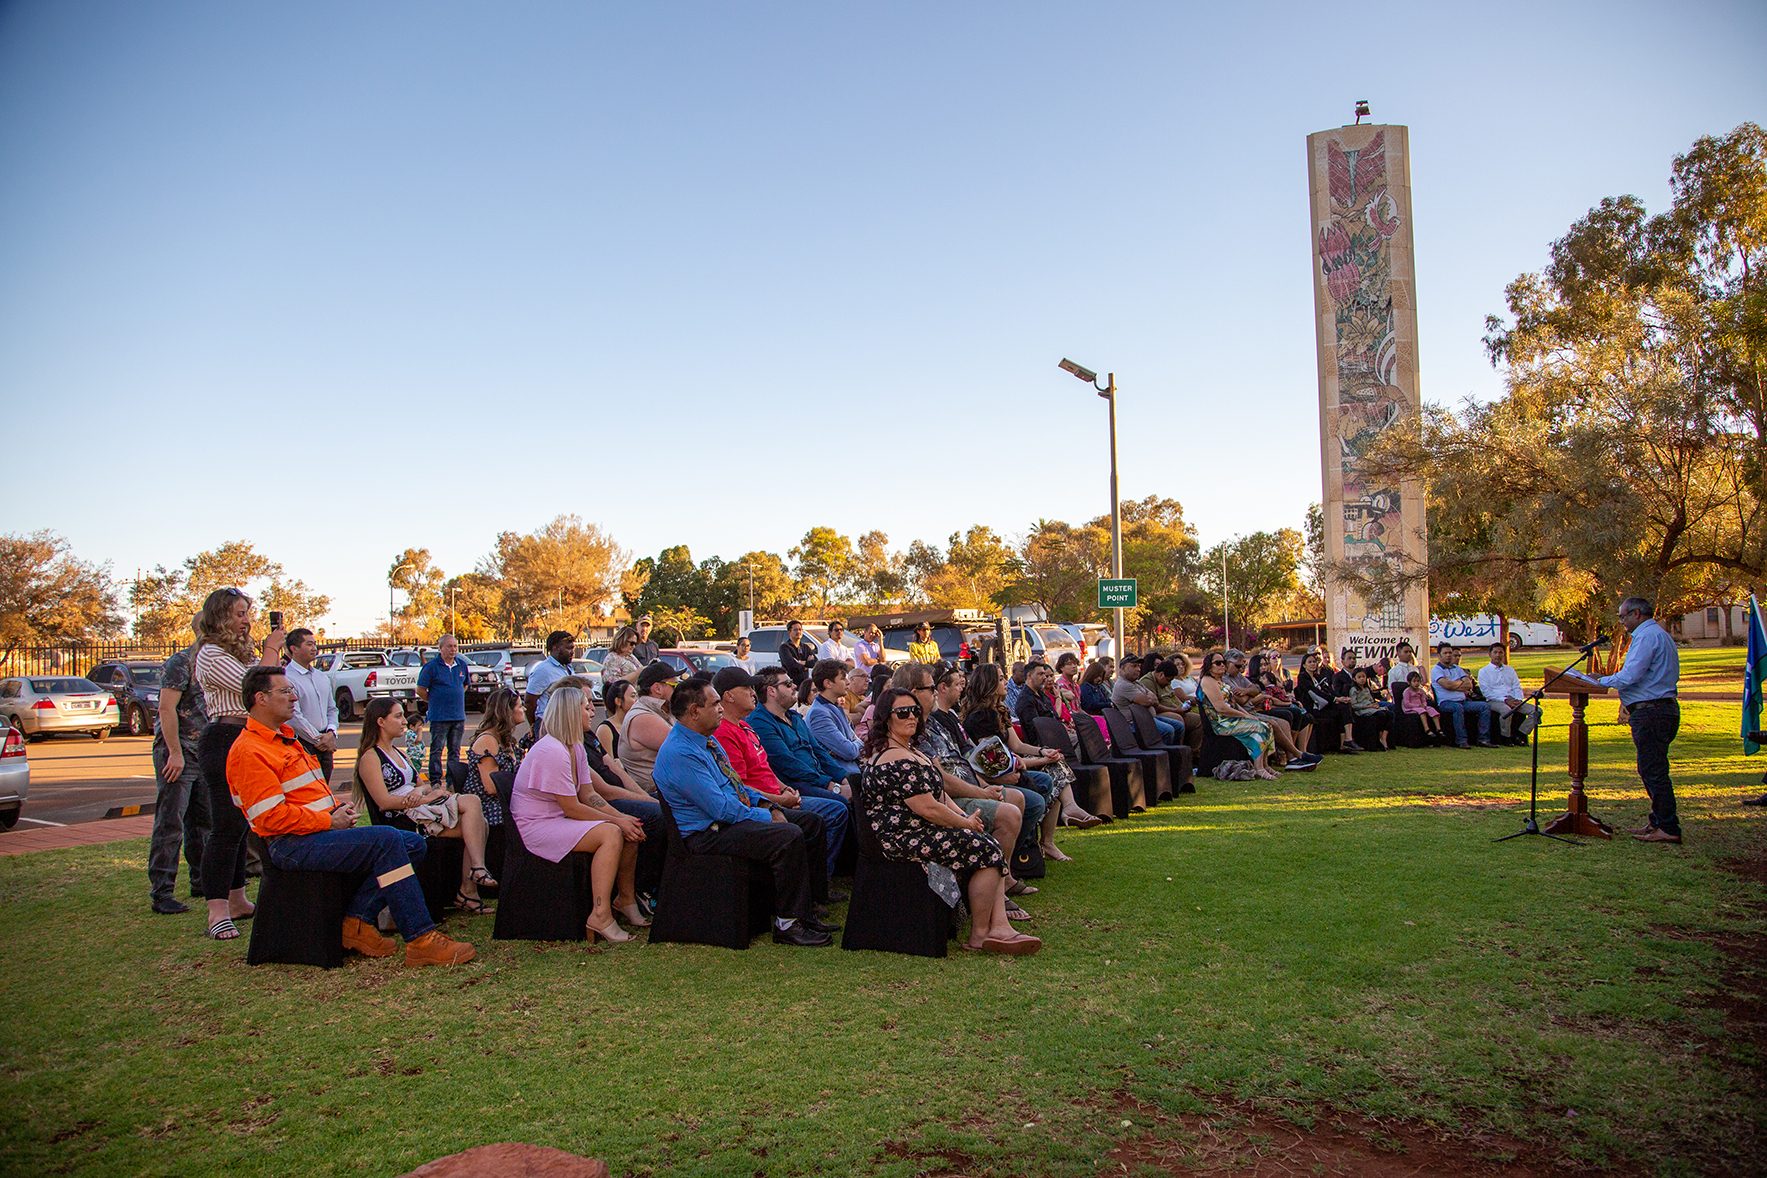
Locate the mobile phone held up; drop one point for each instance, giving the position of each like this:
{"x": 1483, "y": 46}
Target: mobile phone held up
{"x": 276, "y": 619}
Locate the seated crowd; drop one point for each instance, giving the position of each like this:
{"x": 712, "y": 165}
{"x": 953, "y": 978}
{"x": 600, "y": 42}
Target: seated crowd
{"x": 779, "y": 765}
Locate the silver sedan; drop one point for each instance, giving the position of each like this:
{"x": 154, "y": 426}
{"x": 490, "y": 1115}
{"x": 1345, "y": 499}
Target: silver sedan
{"x": 40, "y": 705}
{"x": 15, "y": 778}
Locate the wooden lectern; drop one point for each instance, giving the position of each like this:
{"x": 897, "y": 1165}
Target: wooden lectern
{"x": 1576, "y": 819}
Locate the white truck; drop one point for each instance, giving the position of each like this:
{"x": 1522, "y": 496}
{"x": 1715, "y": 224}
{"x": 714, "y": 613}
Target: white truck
{"x": 358, "y": 676}
{"x": 1484, "y": 629}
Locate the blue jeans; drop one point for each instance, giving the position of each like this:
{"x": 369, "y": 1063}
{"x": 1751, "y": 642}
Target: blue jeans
{"x": 443, "y": 732}
{"x": 1460, "y": 709}
{"x": 182, "y": 816}
{"x": 1172, "y": 730}
{"x": 1653, "y": 729}
{"x": 836, "y": 817}
{"x": 385, "y": 852}
{"x": 647, "y": 873}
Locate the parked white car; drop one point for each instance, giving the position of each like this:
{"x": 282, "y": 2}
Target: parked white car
{"x": 1484, "y": 629}
{"x": 358, "y": 676}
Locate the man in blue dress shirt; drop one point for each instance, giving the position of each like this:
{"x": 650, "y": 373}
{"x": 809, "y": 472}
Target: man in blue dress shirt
{"x": 1647, "y": 685}
{"x": 718, "y": 815}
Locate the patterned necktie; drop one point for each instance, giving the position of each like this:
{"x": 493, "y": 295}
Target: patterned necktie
{"x": 730, "y": 777}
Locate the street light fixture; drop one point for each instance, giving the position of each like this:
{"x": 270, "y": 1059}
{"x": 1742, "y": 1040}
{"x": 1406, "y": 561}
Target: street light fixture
{"x": 1109, "y": 392}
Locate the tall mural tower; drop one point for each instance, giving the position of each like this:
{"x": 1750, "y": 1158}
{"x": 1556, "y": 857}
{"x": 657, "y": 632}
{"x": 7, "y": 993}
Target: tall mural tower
{"x": 1365, "y": 297}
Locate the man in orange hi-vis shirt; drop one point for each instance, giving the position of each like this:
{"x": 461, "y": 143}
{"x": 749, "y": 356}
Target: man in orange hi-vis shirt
{"x": 278, "y": 785}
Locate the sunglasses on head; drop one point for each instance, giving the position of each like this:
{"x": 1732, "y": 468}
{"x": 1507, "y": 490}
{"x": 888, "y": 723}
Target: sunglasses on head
{"x": 906, "y": 711}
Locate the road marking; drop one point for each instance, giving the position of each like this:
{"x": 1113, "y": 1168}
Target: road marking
{"x": 40, "y": 821}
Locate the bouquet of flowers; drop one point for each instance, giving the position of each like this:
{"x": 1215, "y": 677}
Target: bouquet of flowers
{"x": 991, "y": 758}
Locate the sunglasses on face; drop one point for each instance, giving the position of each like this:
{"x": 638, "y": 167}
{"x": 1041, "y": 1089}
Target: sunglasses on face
{"x": 906, "y": 711}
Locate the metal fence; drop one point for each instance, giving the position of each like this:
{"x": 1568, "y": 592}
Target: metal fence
{"x": 77, "y": 658}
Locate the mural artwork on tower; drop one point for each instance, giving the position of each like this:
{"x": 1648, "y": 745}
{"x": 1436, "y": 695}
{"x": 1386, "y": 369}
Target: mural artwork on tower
{"x": 1364, "y": 290}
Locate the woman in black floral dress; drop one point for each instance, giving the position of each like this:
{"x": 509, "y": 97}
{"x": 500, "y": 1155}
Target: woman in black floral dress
{"x": 494, "y": 751}
{"x": 916, "y": 823}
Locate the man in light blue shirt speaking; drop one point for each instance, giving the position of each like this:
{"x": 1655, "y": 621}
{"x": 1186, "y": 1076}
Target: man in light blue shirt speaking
{"x": 1647, "y": 684}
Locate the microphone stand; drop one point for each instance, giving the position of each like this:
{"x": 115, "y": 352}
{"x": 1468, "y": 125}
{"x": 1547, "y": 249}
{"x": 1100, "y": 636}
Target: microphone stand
{"x": 1532, "y": 825}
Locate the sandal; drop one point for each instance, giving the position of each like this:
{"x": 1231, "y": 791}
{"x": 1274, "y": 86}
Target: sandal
{"x": 1014, "y": 912}
{"x": 1086, "y": 823}
{"x": 224, "y": 929}
{"x": 632, "y": 914}
{"x": 482, "y": 878}
{"x": 1021, "y": 888}
{"x": 613, "y": 932}
{"x": 1053, "y": 853}
{"x": 472, "y": 905}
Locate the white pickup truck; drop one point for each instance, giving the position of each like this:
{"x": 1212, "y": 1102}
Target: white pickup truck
{"x": 358, "y": 676}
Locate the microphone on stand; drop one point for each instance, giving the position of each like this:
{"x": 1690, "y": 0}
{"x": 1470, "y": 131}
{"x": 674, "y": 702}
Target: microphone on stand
{"x": 1600, "y": 640}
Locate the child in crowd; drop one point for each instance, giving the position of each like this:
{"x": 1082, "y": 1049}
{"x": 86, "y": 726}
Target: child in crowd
{"x": 1372, "y": 717}
{"x": 1417, "y": 703}
{"x": 416, "y": 739}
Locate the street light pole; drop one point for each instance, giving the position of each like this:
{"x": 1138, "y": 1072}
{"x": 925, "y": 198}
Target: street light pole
{"x": 1108, "y": 391}
{"x": 1110, "y": 394}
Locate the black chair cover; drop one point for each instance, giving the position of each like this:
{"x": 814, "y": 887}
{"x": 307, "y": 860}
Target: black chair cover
{"x": 1128, "y": 790}
{"x": 1156, "y": 768}
{"x": 300, "y": 918}
{"x": 709, "y": 899}
{"x": 541, "y": 900}
{"x": 1092, "y": 783}
{"x": 892, "y": 909}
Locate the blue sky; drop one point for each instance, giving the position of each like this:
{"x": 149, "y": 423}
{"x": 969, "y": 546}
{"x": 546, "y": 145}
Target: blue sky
{"x": 340, "y": 279}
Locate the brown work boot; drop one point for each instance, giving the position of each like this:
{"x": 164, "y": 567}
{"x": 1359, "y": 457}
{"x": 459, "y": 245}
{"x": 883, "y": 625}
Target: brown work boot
{"x": 365, "y": 939}
{"x": 435, "y": 949}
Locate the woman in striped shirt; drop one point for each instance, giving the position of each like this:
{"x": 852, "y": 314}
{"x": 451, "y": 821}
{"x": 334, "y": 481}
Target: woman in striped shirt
{"x": 223, "y": 655}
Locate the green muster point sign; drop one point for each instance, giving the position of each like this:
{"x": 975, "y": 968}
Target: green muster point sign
{"x": 1116, "y": 594}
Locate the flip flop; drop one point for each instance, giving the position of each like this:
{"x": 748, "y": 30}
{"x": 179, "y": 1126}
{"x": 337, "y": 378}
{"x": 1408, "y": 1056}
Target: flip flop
{"x": 1018, "y": 947}
{"x": 224, "y": 930}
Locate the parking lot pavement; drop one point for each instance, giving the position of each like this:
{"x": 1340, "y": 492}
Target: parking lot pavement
{"x": 76, "y": 779}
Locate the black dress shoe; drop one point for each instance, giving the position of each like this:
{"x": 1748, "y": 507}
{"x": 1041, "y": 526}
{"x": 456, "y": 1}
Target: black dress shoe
{"x": 1760, "y": 801}
{"x": 836, "y": 896}
{"x": 170, "y": 907}
{"x": 820, "y": 926}
{"x": 799, "y": 935}
{"x": 1757, "y": 738}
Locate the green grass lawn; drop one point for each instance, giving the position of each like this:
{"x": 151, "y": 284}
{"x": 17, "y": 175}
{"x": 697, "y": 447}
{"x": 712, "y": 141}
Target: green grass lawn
{"x": 1345, "y": 940}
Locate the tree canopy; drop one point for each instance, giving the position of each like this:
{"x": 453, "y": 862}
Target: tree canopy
{"x": 48, "y": 595}
{"x": 1627, "y": 454}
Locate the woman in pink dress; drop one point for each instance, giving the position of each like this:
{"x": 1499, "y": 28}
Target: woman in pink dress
{"x": 556, "y": 809}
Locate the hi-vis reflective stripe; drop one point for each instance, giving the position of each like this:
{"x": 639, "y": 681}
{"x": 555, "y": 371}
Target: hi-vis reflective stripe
{"x": 265, "y": 806}
{"x": 286, "y": 788}
{"x": 394, "y": 876}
